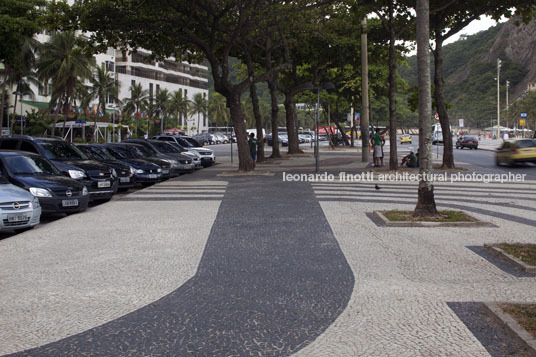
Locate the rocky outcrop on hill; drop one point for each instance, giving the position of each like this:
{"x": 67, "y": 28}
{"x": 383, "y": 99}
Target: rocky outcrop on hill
{"x": 519, "y": 44}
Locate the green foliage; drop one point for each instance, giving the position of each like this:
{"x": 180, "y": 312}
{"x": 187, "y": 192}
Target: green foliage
{"x": 19, "y": 19}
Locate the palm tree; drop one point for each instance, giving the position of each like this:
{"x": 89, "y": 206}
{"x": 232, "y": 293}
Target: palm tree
{"x": 138, "y": 101}
{"x": 218, "y": 111}
{"x": 179, "y": 106}
{"x": 198, "y": 106}
{"x": 64, "y": 62}
{"x": 103, "y": 85}
{"x": 19, "y": 73}
{"x": 163, "y": 101}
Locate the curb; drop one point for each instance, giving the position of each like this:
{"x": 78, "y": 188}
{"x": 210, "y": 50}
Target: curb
{"x": 511, "y": 326}
{"x": 384, "y": 221}
{"x": 511, "y": 259}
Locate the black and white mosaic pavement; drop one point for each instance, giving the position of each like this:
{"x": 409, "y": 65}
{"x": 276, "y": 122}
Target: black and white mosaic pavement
{"x": 272, "y": 278}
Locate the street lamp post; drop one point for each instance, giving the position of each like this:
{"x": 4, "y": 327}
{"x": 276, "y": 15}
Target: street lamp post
{"x": 507, "y": 86}
{"x": 317, "y": 150}
{"x": 498, "y": 98}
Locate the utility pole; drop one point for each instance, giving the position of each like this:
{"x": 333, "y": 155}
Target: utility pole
{"x": 498, "y": 98}
{"x": 507, "y": 86}
{"x": 364, "y": 95}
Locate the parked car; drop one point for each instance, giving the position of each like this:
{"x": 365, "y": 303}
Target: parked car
{"x": 405, "y": 138}
{"x": 124, "y": 171}
{"x": 36, "y": 174}
{"x": 516, "y": 151}
{"x": 19, "y": 209}
{"x": 467, "y": 141}
{"x": 207, "y": 155}
{"x": 145, "y": 172}
{"x": 100, "y": 180}
{"x": 205, "y": 139}
{"x": 139, "y": 152}
{"x": 177, "y": 149}
{"x": 179, "y": 163}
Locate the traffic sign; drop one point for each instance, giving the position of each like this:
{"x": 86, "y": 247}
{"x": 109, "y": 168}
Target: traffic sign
{"x": 524, "y": 115}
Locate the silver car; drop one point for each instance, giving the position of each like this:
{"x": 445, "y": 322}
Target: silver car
{"x": 20, "y": 210}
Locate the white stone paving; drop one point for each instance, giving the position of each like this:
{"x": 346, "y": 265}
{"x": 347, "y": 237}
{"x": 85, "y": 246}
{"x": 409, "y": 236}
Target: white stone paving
{"x": 87, "y": 269}
{"x": 405, "y": 276}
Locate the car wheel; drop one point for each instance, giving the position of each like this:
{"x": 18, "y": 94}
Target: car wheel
{"x": 457, "y": 147}
{"x": 21, "y": 230}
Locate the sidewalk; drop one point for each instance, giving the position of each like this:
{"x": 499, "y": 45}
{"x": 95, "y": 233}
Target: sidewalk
{"x": 205, "y": 265}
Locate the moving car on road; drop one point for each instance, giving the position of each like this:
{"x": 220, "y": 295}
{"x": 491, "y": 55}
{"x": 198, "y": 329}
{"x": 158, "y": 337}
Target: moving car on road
{"x": 19, "y": 209}
{"x": 467, "y": 141}
{"x": 406, "y": 138}
{"x": 516, "y": 151}
{"x": 34, "y": 173}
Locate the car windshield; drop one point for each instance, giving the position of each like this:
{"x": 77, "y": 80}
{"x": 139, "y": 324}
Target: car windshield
{"x": 29, "y": 165}
{"x": 469, "y": 138}
{"x": 96, "y": 153}
{"x": 185, "y": 143}
{"x": 177, "y": 146}
{"x": 138, "y": 151}
{"x": 63, "y": 151}
{"x": 120, "y": 152}
{"x": 526, "y": 144}
{"x": 165, "y": 147}
{"x": 193, "y": 143}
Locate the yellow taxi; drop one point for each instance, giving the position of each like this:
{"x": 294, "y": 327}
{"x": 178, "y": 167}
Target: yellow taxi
{"x": 516, "y": 151}
{"x": 406, "y": 138}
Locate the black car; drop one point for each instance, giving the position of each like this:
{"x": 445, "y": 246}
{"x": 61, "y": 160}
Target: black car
{"x": 124, "y": 172}
{"x": 100, "y": 180}
{"x": 138, "y": 152}
{"x": 467, "y": 141}
{"x": 145, "y": 172}
{"x": 179, "y": 163}
{"x": 56, "y": 193}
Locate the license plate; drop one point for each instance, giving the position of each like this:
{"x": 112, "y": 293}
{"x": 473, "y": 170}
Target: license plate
{"x": 69, "y": 203}
{"x": 17, "y": 217}
{"x": 165, "y": 171}
{"x": 103, "y": 184}
{"x": 124, "y": 179}
{"x": 152, "y": 176}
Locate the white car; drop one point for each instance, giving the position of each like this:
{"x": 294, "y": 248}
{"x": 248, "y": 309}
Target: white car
{"x": 19, "y": 209}
{"x": 207, "y": 155}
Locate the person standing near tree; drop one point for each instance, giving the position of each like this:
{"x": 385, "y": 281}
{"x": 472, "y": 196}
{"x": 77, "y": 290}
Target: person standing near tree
{"x": 377, "y": 142}
{"x": 253, "y": 148}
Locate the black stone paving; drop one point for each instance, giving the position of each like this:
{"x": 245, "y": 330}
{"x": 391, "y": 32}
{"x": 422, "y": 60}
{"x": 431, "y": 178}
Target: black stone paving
{"x": 272, "y": 278}
{"x": 502, "y": 264}
{"x": 495, "y": 339}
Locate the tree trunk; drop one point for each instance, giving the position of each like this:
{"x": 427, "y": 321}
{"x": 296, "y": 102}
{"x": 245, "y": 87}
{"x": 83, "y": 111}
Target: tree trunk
{"x": 291, "y": 121}
{"x": 341, "y": 129}
{"x": 14, "y": 119}
{"x": 258, "y": 122}
{"x": 4, "y": 90}
{"x": 426, "y": 206}
{"x": 275, "y": 119}
{"x": 245, "y": 163}
{"x": 393, "y": 154}
{"x": 439, "y": 80}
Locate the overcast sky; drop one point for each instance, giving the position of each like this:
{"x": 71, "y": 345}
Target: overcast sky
{"x": 476, "y": 26}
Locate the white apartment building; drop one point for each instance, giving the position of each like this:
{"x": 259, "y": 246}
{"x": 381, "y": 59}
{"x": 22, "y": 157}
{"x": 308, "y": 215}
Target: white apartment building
{"x": 133, "y": 68}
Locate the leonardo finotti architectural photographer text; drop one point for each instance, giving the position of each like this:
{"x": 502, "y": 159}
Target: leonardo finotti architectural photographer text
{"x": 405, "y": 176}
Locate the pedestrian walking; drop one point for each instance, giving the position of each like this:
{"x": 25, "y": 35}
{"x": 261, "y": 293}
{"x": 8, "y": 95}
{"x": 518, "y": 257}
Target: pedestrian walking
{"x": 253, "y": 148}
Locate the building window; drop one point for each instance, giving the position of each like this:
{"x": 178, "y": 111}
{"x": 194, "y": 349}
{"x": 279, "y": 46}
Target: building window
{"x": 151, "y": 93}
{"x": 110, "y": 66}
{"x": 133, "y": 82}
{"x": 157, "y": 89}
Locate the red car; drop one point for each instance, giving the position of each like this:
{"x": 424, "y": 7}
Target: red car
{"x": 467, "y": 141}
